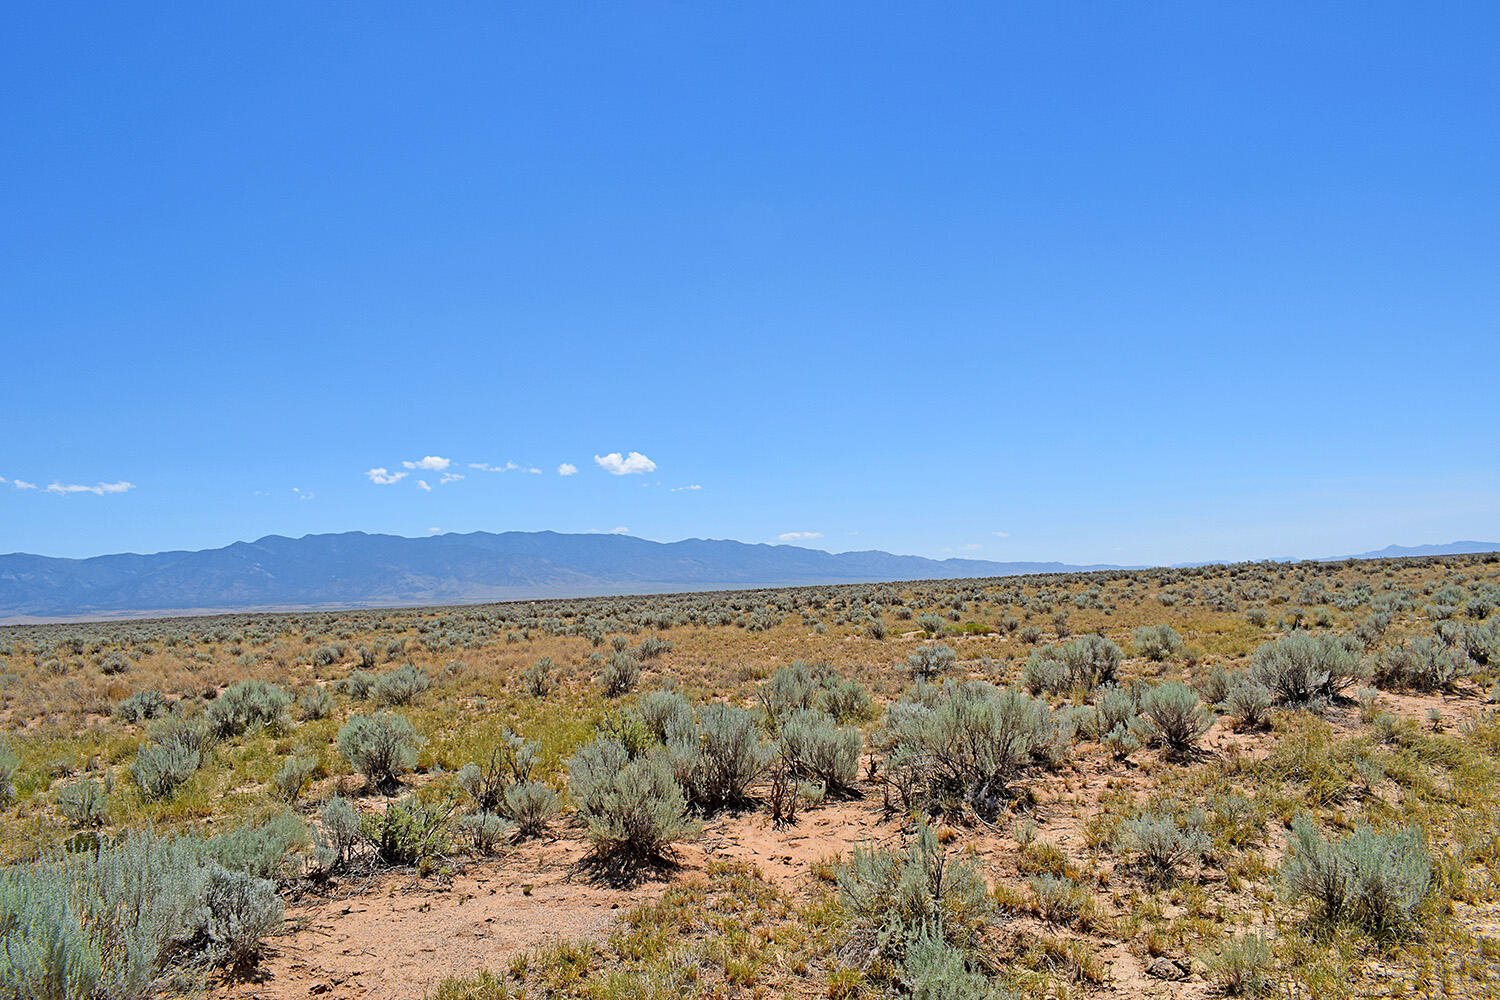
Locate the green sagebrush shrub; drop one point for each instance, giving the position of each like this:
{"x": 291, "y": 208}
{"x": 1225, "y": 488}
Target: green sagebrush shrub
{"x": 1420, "y": 664}
{"x": 161, "y": 768}
{"x": 1086, "y": 662}
{"x": 805, "y": 686}
{"x": 107, "y": 923}
{"x": 815, "y": 746}
{"x": 1175, "y": 715}
{"x": 892, "y": 895}
{"x": 402, "y": 686}
{"x": 715, "y": 755}
{"x": 931, "y": 660}
{"x": 294, "y": 776}
{"x": 965, "y": 743}
{"x": 142, "y": 706}
{"x": 633, "y": 808}
{"x": 933, "y": 969}
{"x": 84, "y": 803}
{"x": 409, "y": 832}
{"x": 381, "y": 747}
{"x": 246, "y": 705}
{"x": 1162, "y": 843}
{"x": 621, "y": 674}
{"x": 10, "y": 765}
{"x": 1156, "y": 642}
{"x": 1373, "y": 880}
{"x": 1242, "y": 966}
{"x": 1301, "y": 668}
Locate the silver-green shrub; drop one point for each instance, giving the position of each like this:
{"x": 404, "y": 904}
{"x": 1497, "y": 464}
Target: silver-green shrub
{"x": 1156, "y": 642}
{"x": 1162, "y": 843}
{"x": 716, "y": 757}
{"x": 381, "y": 747}
{"x": 621, "y": 674}
{"x": 1301, "y": 668}
{"x": 108, "y": 924}
{"x": 249, "y": 704}
{"x": 530, "y": 804}
{"x": 931, "y": 660}
{"x": 891, "y": 896}
{"x": 965, "y": 742}
{"x": 817, "y": 747}
{"x": 1175, "y": 715}
{"x": 10, "y": 765}
{"x": 85, "y": 803}
{"x": 141, "y": 706}
{"x": 401, "y": 686}
{"x": 161, "y": 768}
{"x": 1373, "y": 880}
{"x": 634, "y": 809}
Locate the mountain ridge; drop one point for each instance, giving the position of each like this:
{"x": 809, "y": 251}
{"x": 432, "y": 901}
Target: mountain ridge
{"x": 354, "y": 569}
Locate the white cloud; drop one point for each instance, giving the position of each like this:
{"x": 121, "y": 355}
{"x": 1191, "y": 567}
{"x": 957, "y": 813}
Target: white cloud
{"x": 301, "y": 495}
{"x": 567, "y": 469}
{"x": 616, "y": 465}
{"x": 22, "y": 484}
{"x": 450, "y": 477}
{"x": 384, "y": 477}
{"x": 507, "y": 467}
{"x": 621, "y": 530}
{"x": 63, "y": 489}
{"x": 432, "y": 463}
{"x": 422, "y": 483}
{"x": 1002, "y": 534}
{"x": 972, "y": 547}
{"x": 435, "y": 530}
{"x": 679, "y": 489}
{"x": 799, "y": 536}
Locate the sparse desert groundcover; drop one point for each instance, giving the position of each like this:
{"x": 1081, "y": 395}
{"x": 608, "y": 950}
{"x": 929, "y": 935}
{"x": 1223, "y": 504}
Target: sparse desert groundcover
{"x": 1261, "y": 779}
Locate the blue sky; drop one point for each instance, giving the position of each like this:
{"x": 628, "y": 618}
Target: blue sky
{"x": 1123, "y": 283}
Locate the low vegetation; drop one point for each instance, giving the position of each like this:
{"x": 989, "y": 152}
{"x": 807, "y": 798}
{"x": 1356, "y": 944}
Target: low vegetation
{"x": 1253, "y": 780}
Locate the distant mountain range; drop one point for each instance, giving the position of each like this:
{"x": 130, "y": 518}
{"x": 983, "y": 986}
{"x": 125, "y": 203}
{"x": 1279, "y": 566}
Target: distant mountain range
{"x": 355, "y": 569}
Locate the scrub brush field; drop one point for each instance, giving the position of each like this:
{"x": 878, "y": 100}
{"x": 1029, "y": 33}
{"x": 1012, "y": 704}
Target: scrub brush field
{"x": 1267, "y": 779}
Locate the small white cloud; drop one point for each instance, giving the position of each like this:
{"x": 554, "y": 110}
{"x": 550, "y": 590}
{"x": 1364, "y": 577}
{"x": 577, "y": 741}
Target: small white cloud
{"x": 384, "y": 477}
{"x": 679, "y": 489}
{"x": 432, "y": 463}
{"x": 301, "y": 495}
{"x": 621, "y": 530}
{"x": 617, "y": 465}
{"x": 567, "y": 469}
{"x": 450, "y": 477}
{"x": 533, "y": 470}
{"x": 972, "y": 547}
{"x": 481, "y": 466}
{"x": 422, "y": 484}
{"x": 799, "y": 536}
{"x": 22, "y": 484}
{"x": 98, "y": 489}
{"x": 1002, "y": 534}
{"x": 434, "y": 530}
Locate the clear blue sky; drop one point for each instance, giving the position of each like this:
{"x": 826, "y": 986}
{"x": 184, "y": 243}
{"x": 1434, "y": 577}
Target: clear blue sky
{"x": 1094, "y": 282}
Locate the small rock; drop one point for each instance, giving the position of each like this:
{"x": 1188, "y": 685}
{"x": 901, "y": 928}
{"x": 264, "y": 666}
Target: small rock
{"x": 1165, "y": 968}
